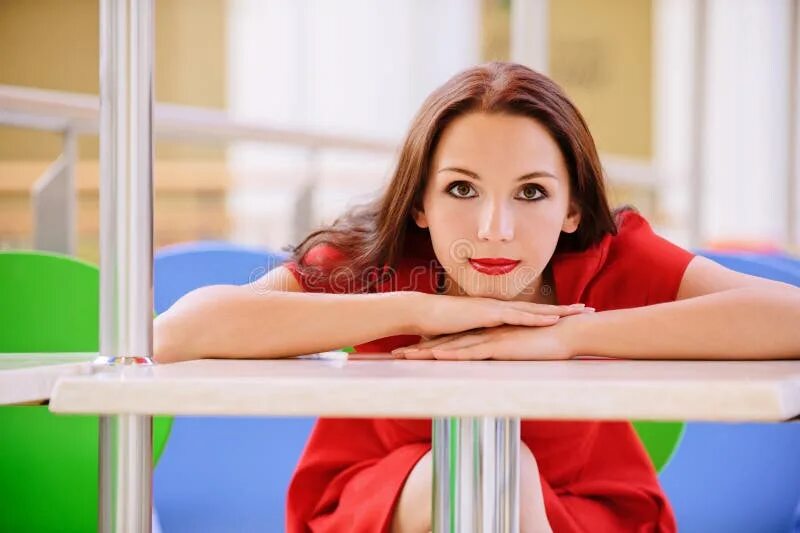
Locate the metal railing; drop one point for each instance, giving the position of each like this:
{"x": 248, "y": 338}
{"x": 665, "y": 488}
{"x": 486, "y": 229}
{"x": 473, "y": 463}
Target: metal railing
{"x": 53, "y": 194}
{"x": 57, "y": 111}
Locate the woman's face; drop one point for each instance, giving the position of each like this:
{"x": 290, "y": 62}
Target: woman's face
{"x": 496, "y": 200}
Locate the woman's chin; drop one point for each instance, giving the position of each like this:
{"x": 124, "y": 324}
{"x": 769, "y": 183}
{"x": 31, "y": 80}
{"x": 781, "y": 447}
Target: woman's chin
{"x": 504, "y": 295}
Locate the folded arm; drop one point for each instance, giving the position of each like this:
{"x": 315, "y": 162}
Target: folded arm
{"x": 718, "y": 314}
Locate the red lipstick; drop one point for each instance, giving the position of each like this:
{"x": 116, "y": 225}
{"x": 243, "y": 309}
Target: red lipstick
{"x": 494, "y": 266}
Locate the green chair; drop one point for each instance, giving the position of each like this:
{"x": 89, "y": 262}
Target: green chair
{"x": 48, "y": 463}
{"x": 660, "y": 439}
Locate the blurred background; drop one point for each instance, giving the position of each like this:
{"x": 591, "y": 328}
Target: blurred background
{"x": 275, "y": 115}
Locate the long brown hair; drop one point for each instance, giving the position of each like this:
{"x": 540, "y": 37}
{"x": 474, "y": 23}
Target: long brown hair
{"x": 379, "y": 233}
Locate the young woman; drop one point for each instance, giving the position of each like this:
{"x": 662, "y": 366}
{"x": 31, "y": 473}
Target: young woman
{"x": 494, "y": 239}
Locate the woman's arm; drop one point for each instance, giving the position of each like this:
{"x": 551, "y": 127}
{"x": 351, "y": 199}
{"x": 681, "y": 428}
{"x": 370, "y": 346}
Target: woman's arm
{"x": 719, "y": 314}
{"x": 274, "y": 318}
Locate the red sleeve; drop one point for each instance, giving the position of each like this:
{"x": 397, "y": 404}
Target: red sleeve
{"x": 324, "y": 258}
{"x": 351, "y": 487}
{"x": 646, "y": 263}
{"x": 614, "y": 488}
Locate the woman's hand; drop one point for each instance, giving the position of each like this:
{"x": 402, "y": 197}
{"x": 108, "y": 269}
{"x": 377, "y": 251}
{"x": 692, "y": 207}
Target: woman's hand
{"x": 503, "y": 342}
{"x": 438, "y": 314}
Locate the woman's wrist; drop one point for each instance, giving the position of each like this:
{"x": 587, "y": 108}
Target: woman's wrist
{"x": 578, "y": 333}
{"x": 406, "y": 310}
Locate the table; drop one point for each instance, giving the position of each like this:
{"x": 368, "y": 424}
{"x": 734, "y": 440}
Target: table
{"x": 476, "y": 405}
{"x": 366, "y": 387}
{"x": 30, "y": 377}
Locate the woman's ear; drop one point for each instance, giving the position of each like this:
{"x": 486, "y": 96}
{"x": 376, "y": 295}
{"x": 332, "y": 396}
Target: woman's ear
{"x": 573, "y": 219}
{"x": 419, "y": 217}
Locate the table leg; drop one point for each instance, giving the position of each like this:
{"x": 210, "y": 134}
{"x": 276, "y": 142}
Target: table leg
{"x": 476, "y": 475}
{"x": 126, "y": 474}
{"x": 126, "y": 252}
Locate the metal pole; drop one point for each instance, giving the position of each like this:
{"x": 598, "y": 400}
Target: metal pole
{"x": 793, "y": 137}
{"x": 476, "y": 475}
{"x": 54, "y": 201}
{"x": 126, "y": 252}
{"x": 697, "y": 177}
{"x": 529, "y": 33}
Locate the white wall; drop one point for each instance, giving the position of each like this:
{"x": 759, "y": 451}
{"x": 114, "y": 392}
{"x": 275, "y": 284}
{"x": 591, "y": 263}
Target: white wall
{"x": 351, "y": 67}
{"x": 747, "y": 120}
{"x": 674, "y": 55}
{"x": 744, "y": 152}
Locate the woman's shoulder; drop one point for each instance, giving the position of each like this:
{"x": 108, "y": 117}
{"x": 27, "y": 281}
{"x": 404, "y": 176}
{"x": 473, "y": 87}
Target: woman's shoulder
{"x": 312, "y": 270}
{"x": 637, "y": 244}
{"x": 323, "y": 255}
{"x": 635, "y": 266}
{"x": 326, "y": 268}
{"x": 647, "y": 264}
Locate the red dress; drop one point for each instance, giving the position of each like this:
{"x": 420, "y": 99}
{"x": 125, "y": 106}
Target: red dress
{"x": 596, "y": 476}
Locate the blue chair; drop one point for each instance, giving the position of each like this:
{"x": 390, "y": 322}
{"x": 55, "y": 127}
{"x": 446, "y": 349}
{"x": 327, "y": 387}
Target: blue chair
{"x": 797, "y": 519}
{"x": 781, "y": 260}
{"x": 222, "y": 474}
{"x": 737, "y": 477}
{"x": 777, "y": 267}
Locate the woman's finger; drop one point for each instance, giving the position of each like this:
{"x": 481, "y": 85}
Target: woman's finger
{"x": 546, "y": 309}
{"x": 463, "y": 342}
{"x": 424, "y": 351}
{"x": 475, "y": 351}
{"x": 471, "y": 353}
{"x": 439, "y": 339}
{"x": 521, "y": 318}
{"x": 435, "y": 342}
{"x": 417, "y": 355}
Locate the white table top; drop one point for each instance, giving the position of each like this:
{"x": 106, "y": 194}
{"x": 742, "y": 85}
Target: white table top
{"x": 580, "y": 389}
{"x": 30, "y": 377}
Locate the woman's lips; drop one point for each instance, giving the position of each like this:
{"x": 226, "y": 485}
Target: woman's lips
{"x": 494, "y": 266}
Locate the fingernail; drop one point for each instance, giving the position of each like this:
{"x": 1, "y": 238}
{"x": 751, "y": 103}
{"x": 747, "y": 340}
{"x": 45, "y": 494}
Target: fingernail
{"x": 578, "y": 305}
{"x": 591, "y": 309}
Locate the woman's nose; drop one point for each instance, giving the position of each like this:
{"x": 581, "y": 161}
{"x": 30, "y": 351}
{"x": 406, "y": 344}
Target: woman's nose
{"x": 496, "y": 222}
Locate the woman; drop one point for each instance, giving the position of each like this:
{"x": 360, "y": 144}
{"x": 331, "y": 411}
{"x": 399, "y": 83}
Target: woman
{"x": 494, "y": 239}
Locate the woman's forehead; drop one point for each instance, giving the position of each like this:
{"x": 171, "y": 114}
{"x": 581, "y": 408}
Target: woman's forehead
{"x": 498, "y": 143}
{"x": 497, "y": 147}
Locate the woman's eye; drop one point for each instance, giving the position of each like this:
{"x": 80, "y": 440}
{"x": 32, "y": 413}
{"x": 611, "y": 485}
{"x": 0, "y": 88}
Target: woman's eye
{"x": 532, "y": 192}
{"x": 461, "y": 189}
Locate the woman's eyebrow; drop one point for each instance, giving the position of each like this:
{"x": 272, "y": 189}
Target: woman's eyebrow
{"x": 474, "y": 175}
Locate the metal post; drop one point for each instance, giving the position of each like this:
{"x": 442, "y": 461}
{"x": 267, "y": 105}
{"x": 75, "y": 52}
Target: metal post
{"x": 530, "y": 33}
{"x": 476, "y": 475}
{"x": 54, "y": 202}
{"x": 793, "y": 137}
{"x": 697, "y": 177}
{"x": 304, "y": 212}
{"x": 126, "y": 252}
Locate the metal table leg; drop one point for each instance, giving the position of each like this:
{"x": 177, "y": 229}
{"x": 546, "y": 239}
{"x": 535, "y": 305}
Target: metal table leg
{"x": 126, "y": 253}
{"x": 476, "y": 475}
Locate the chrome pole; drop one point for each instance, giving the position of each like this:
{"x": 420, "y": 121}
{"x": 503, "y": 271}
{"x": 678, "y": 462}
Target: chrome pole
{"x": 697, "y": 199}
{"x": 793, "y": 137}
{"x": 126, "y": 252}
{"x": 476, "y": 475}
{"x": 54, "y": 199}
